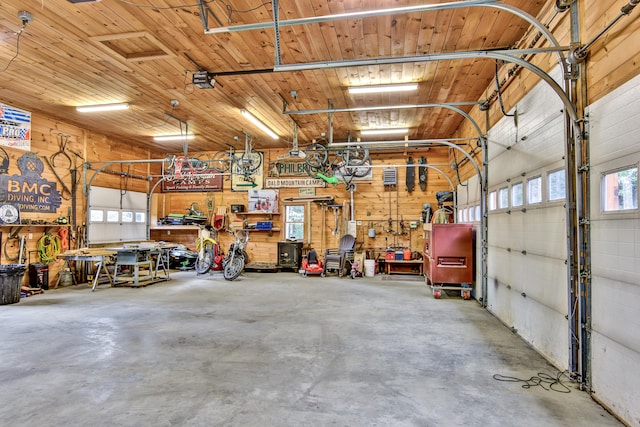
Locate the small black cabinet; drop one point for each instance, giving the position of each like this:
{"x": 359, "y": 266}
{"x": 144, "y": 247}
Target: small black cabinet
{"x": 289, "y": 255}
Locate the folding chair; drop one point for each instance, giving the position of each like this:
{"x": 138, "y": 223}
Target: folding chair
{"x": 338, "y": 258}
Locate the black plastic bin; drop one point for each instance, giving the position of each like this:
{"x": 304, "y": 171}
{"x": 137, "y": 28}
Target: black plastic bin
{"x": 10, "y": 283}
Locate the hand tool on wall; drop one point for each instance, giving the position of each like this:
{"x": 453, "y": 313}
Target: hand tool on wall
{"x": 422, "y": 173}
{"x": 411, "y": 175}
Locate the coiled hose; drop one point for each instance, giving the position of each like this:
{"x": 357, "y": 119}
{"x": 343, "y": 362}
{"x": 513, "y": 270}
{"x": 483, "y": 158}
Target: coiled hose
{"x": 48, "y": 247}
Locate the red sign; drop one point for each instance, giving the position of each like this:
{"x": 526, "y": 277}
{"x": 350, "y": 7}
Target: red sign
{"x": 203, "y": 180}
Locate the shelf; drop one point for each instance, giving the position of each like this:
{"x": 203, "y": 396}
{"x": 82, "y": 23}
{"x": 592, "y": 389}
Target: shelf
{"x": 54, "y": 224}
{"x": 256, "y": 229}
{"x": 175, "y": 227}
{"x": 245, "y": 214}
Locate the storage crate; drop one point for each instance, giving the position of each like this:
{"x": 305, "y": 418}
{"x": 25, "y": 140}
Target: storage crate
{"x": 264, "y": 225}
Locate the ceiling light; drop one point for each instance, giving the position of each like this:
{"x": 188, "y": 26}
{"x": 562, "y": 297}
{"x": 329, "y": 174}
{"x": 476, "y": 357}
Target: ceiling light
{"x": 374, "y": 132}
{"x": 383, "y": 88}
{"x": 164, "y": 138}
{"x": 258, "y": 123}
{"x": 103, "y": 107}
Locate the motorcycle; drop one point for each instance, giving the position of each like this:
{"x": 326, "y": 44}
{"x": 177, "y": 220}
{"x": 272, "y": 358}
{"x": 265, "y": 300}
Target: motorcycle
{"x": 208, "y": 250}
{"x": 234, "y": 261}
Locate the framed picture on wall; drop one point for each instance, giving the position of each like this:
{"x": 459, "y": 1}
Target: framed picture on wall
{"x": 264, "y": 201}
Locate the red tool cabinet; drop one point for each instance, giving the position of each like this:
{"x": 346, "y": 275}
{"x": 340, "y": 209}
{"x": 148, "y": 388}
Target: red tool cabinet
{"x": 448, "y": 256}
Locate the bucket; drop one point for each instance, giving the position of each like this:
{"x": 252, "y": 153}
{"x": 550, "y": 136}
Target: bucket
{"x": 407, "y": 255}
{"x": 11, "y": 282}
{"x": 369, "y": 267}
{"x": 66, "y": 277}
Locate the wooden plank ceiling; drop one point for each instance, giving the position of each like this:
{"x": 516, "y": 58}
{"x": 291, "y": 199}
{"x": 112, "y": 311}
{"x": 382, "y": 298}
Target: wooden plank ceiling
{"x": 145, "y": 52}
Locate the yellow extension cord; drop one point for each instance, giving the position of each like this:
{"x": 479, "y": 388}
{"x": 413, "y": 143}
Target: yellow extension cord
{"x": 48, "y": 247}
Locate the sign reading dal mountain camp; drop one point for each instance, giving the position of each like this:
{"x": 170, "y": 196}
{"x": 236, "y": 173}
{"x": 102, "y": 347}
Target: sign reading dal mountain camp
{"x": 30, "y": 192}
{"x": 15, "y": 127}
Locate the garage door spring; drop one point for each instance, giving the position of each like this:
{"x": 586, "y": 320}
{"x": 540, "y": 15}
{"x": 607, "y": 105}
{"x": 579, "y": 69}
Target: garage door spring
{"x": 48, "y": 247}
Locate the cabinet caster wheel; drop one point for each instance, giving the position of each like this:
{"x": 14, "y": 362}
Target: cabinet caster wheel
{"x": 304, "y": 273}
{"x": 437, "y": 293}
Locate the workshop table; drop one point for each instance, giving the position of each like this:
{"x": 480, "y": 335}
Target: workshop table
{"x": 140, "y": 255}
{"x": 97, "y": 256}
{"x": 404, "y": 266}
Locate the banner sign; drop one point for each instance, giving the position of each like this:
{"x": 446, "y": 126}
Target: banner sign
{"x": 15, "y": 128}
{"x": 30, "y": 191}
{"x": 207, "y": 180}
{"x": 294, "y": 182}
{"x": 286, "y": 168}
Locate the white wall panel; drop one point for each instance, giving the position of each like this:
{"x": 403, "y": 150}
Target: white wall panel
{"x": 527, "y": 244}
{"x": 615, "y": 239}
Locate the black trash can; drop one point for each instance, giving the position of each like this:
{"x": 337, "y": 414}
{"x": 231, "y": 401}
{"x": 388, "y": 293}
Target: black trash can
{"x": 10, "y": 283}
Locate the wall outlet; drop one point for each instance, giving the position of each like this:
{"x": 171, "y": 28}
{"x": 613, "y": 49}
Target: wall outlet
{"x": 30, "y": 236}
{"x": 168, "y": 232}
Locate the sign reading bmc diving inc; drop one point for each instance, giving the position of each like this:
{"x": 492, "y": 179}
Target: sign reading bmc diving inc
{"x": 29, "y": 190}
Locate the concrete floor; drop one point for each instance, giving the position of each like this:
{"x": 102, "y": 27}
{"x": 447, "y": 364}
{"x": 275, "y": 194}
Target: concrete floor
{"x": 271, "y": 349}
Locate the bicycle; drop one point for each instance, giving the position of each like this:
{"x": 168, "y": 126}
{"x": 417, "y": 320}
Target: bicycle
{"x": 245, "y": 164}
{"x": 348, "y": 163}
{"x": 181, "y": 170}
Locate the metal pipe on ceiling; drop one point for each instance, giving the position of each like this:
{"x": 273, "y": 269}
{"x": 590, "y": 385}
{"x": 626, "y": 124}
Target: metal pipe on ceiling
{"x": 447, "y": 105}
{"x": 399, "y": 10}
{"x": 350, "y": 15}
{"x": 441, "y": 57}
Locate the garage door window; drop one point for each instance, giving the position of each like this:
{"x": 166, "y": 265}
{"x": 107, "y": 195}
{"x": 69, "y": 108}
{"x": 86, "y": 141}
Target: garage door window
{"x": 534, "y": 190}
{"x": 620, "y": 190}
{"x": 516, "y": 195}
{"x": 556, "y": 185}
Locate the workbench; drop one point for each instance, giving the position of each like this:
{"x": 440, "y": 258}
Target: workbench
{"x": 97, "y": 256}
{"x": 140, "y": 255}
{"x": 414, "y": 266}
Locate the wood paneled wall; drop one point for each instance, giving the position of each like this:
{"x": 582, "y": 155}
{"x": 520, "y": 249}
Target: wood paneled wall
{"x": 375, "y": 206}
{"x": 95, "y": 149}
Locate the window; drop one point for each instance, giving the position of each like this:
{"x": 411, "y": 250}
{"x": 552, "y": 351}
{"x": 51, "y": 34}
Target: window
{"x": 465, "y": 215}
{"x": 516, "y": 194}
{"x": 113, "y": 216}
{"x": 620, "y": 190}
{"x": 534, "y": 190}
{"x": 127, "y": 216}
{"x": 294, "y": 222}
{"x": 556, "y": 184}
{"x": 141, "y": 216}
{"x": 503, "y": 198}
{"x": 96, "y": 215}
{"x": 471, "y": 213}
{"x": 460, "y": 215}
{"x": 492, "y": 201}
{"x": 478, "y": 216}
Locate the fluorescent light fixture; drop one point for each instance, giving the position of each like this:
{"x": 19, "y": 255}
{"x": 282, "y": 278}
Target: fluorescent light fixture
{"x": 103, "y": 107}
{"x": 164, "y": 138}
{"x": 258, "y": 123}
{"x": 377, "y": 132}
{"x": 403, "y": 87}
